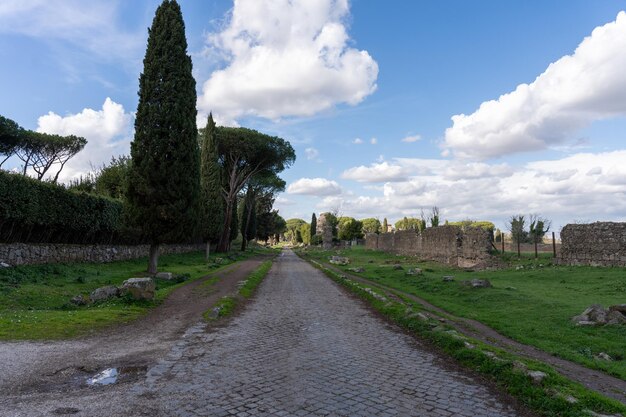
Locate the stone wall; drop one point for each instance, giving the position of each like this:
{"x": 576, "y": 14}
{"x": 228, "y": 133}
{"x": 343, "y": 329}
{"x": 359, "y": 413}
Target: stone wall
{"x": 28, "y": 254}
{"x": 596, "y": 244}
{"x": 451, "y": 245}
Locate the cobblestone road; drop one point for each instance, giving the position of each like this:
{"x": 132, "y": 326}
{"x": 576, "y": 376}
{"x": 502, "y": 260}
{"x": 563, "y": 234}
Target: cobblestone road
{"x": 305, "y": 348}
{"x": 302, "y": 347}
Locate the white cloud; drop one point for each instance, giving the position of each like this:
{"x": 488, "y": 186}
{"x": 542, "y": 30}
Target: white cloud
{"x": 411, "y": 138}
{"x": 358, "y": 141}
{"x": 314, "y": 186}
{"x": 282, "y": 201}
{"x": 565, "y": 189}
{"x": 472, "y": 170}
{"x": 296, "y": 63}
{"x": 381, "y": 172}
{"x": 93, "y": 26}
{"x": 373, "y": 141}
{"x": 576, "y": 90}
{"x": 311, "y": 153}
{"x": 108, "y": 132}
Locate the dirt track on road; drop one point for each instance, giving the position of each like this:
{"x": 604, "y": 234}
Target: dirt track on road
{"x": 60, "y": 365}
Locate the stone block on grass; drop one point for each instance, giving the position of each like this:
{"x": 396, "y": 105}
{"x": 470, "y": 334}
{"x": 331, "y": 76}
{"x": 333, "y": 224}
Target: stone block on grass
{"x": 139, "y": 288}
{"x": 103, "y": 293}
{"x": 164, "y": 275}
{"x": 477, "y": 283}
{"x": 339, "y": 260}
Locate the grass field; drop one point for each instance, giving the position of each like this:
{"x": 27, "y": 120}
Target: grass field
{"x": 34, "y": 300}
{"x": 533, "y": 305}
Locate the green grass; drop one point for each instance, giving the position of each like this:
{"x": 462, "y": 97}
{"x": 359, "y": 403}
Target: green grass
{"x": 548, "y": 398}
{"x": 255, "y": 278}
{"x": 228, "y": 304}
{"x": 34, "y": 300}
{"x": 533, "y": 305}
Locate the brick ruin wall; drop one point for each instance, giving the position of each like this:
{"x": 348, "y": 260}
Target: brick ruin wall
{"x": 451, "y": 245}
{"x": 595, "y": 244}
{"x": 29, "y": 254}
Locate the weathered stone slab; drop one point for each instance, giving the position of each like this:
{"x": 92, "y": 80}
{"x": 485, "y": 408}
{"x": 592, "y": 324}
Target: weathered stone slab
{"x": 477, "y": 283}
{"x": 103, "y": 293}
{"x": 139, "y": 288}
{"x": 339, "y": 260}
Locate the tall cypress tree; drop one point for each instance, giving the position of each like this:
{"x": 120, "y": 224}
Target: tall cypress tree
{"x": 164, "y": 179}
{"x": 212, "y": 200}
{"x": 385, "y": 225}
{"x": 313, "y": 227}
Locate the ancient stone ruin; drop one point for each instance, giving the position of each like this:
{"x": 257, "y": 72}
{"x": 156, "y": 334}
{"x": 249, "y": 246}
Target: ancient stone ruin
{"x": 597, "y": 315}
{"x": 325, "y": 229}
{"x": 467, "y": 248}
{"x": 595, "y": 244}
{"x": 13, "y": 254}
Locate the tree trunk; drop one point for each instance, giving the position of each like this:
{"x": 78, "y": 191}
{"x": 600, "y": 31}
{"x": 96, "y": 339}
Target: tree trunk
{"x": 207, "y": 251}
{"x": 225, "y": 238}
{"x": 536, "y": 256}
{"x": 519, "y": 252}
{"x": 244, "y": 240}
{"x": 154, "y": 258}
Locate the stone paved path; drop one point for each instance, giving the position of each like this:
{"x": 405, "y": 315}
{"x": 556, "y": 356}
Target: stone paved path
{"x": 305, "y": 348}
{"x": 301, "y": 348}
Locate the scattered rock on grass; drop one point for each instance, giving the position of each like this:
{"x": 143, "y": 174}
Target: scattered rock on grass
{"x": 619, "y": 307}
{"x": 4, "y": 265}
{"x": 570, "y": 399}
{"x": 164, "y": 275}
{"x": 80, "y": 300}
{"x": 478, "y": 283}
{"x": 448, "y": 278}
{"x": 597, "y": 315}
{"x": 357, "y": 269}
{"x": 397, "y": 267}
{"x": 414, "y": 271}
{"x": 139, "y": 288}
{"x": 537, "y": 376}
{"x": 339, "y": 260}
{"x": 214, "y": 313}
{"x": 615, "y": 317}
{"x": 603, "y": 356}
{"x": 103, "y": 293}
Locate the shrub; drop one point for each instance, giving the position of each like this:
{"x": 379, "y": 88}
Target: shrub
{"x": 34, "y": 211}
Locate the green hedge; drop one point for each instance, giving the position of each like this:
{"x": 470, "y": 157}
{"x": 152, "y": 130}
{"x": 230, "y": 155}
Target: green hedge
{"x": 35, "y": 211}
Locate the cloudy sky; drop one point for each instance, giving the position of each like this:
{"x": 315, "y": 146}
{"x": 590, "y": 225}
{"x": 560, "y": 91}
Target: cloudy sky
{"x": 482, "y": 108}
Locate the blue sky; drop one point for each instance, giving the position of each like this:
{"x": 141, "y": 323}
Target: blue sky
{"x": 370, "y": 93}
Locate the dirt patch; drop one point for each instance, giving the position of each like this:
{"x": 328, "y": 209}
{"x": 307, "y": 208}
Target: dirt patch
{"x": 598, "y": 381}
{"x": 59, "y": 365}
